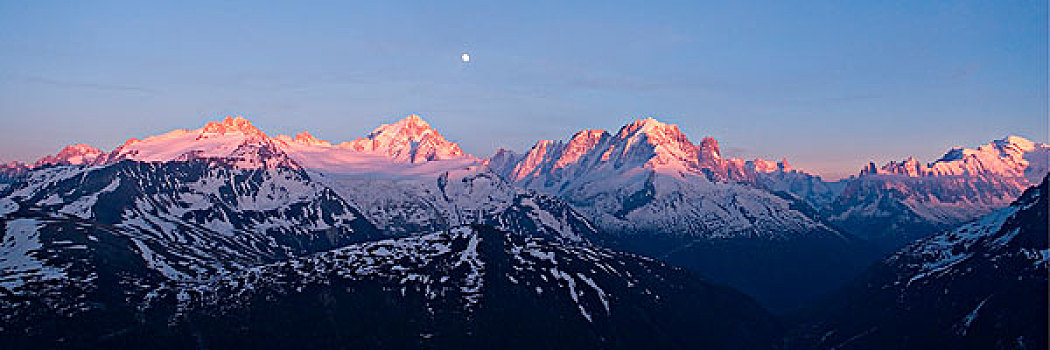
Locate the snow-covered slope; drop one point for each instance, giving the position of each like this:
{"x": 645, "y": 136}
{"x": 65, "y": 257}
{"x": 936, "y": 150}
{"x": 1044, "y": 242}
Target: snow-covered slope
{"x": 187, "y": 219}
{"x": 469, "y": 195}
{"x": 405, "y": 176}
{"x": 650, "y": 178}
{"x": 1012, "y": 158}
{"x": 345, "y": 160}
{"x": 409, "y": 140}
{"x": 199, "y": 201}
{"x": 901, "y": 201}
{"x": 780, "y": 177}
{"x": 234, "y": 140}
{"x": 467, "y": 287}
{"x": 662, "y": 195}
{"x": 981, "y": 285}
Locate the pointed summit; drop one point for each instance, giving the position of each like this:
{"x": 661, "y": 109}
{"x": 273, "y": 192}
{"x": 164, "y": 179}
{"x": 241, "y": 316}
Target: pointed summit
{"x": 643, "y": 126}
{"x": 411, "y": 127}
{"x": 656, "y": 144}
{"x": 656, "y": 133}
{"x": 410, "y": 139}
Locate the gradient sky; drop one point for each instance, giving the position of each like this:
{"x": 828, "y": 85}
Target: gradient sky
{"x": 829, "y": 85}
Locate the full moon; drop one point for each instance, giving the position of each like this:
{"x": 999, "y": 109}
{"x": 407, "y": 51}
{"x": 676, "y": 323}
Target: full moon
{"x": 465, "y": 57}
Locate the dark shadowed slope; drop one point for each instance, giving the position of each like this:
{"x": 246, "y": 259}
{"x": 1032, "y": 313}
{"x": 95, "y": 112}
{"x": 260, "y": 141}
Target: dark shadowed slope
{"x": 980, "y": 286}
{"x": 470, "y": 287}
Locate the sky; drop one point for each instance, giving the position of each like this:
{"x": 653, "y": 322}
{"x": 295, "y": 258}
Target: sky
{"x": 830, "y": 85}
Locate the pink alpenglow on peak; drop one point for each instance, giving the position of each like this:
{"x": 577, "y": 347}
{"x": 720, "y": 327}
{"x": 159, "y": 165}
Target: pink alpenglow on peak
{"x": 1010, "y": 157}
{"x": 409, "y": 140}
{"x": 78, "y": 154}
{"x": 307, "y": 138}
{"x": 642, "y": 144}
{"x": 962, "y": 185}
{"x": 304, "y": 138}
{"x": 234, "y": 139}
{"x": 393, "y": 148}
{"x": 642, "y": 126}
{"x": 231, "y": 125}
{"x": 663, "y": 146}
{"x": 768, "y": 166}
{"x": 581, "y": 143}
{"x": 650, "y": 177}
{"x": 656, "y": 134}
{"x": 528, "y": 165}
{"x": 709, "y": 149}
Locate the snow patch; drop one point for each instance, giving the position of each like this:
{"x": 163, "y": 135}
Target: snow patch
{"x": 20, "y": 260}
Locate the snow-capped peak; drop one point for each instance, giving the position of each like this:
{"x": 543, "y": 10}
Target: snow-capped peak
{"x": 234, "y": 140}
{"x": 657, "y": 145}
{"x": 399, "y": 148}
{"x": 1010, "y": 157}
{"x": 581, "y": 143}
{"x": 410, "y": 139}
{"x": 71, "y": 155}
{"x": 229, "y": 125}
{"x": 411, "y": 127}
{"x": 655, "y": 131}
{"x": 588, "y": 136}
{"x": 1017, "y": 142}
{"x": 309, "y": 139}
{"x": 644, "y": 125}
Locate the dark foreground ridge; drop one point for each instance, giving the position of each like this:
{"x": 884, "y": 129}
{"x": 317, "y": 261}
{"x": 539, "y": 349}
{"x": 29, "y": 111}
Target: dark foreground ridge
{"x": 980, "y": 286}
{"x": 472, "y": 286}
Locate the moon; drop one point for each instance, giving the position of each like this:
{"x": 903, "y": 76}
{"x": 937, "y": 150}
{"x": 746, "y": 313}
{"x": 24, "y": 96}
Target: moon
{"x": 465, "y": 57}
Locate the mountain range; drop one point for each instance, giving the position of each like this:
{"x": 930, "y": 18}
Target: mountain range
{"x": 211, "y": 232}
{"x": 903, "y": 201}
